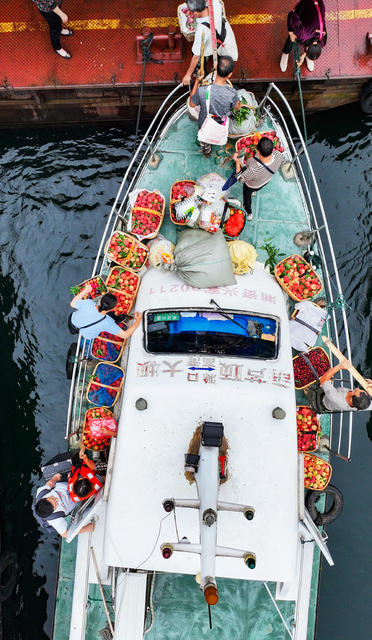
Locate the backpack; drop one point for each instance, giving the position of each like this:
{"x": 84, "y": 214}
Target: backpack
{"x": 43, "y": 522}
{"x": 220, "y": 36}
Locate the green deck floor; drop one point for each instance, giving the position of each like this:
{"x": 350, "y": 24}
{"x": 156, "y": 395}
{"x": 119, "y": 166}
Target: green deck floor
{"x": 245, "y": 611}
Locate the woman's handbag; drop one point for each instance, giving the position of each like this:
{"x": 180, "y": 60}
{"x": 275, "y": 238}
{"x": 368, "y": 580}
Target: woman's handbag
{"x": 211, "y": 131}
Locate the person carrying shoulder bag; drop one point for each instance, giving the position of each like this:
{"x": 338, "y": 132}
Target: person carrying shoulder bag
{"x": 90, "y": 318}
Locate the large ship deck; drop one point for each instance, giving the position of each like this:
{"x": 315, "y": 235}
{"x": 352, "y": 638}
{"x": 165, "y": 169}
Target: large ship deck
{"x": 102, "y": 79}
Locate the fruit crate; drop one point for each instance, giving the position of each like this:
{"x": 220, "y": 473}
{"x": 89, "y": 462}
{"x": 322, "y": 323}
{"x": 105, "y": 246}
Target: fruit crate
{"x": 97, "y": 283}
{"x": 250, "y": 141}
{"x": 127, "y": 251}
{"x": 124, "y": 284}
{"x": 108, "y": 347}
{"x": 303, "y": 376}
{"x": 89, "y": 441}
{"x": 233, "y": 212}
{"x": 105, "y": 384}
{"x": 317, "y": 472}
{"x": 147, "y": 213}
{"x": 308, "y": 429}
{"x": 173, "y": 199}
{"x": 297, "y": 264}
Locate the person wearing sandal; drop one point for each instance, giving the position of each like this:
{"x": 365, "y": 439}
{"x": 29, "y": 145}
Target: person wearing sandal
{"x": 55, "y": 17}
{"x": 306, "y": 24}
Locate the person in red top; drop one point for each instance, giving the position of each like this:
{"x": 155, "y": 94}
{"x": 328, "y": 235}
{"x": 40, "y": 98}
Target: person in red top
{"x": 83, "y": 482}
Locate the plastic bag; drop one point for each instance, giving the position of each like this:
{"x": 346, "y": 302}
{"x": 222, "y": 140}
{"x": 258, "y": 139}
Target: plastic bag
{"x": 212, "y": 184}
{"x": 243, "y": 256}
{"x": 161, "y": 252}
{"x": 211, "y": 216}
{"x": 98, "y": 424}
{"x": 249, "y": 124}
{"x": 203, "y": 260}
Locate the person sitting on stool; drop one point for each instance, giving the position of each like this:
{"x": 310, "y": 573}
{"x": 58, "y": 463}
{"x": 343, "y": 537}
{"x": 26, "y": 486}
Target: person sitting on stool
{"x": 258, "y": 171}
{"x": 324, "y": 397}
{"x": 306, "y": 24}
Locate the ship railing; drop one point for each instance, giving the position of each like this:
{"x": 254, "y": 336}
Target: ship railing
{"x": 141, "y": 156}
{"x": 318, "y": 225}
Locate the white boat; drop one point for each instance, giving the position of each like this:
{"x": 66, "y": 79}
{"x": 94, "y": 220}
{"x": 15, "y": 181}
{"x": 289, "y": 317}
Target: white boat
{"x": 247, "y": 537}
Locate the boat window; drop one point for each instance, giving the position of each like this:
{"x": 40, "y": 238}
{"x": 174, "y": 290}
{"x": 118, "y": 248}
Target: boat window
{"x": 225, "y": 332}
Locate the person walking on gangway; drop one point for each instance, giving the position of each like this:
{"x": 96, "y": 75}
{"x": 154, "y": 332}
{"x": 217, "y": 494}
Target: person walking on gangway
{"x": 55, "y": 17}
{"x": 306, "y": 25}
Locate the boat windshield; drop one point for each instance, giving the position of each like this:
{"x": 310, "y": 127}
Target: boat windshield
{"x": 224, "y": 332}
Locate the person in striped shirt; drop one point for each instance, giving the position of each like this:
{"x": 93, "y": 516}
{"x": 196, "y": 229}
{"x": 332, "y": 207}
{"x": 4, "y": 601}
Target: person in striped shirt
{"x": 258, "y": 171}
{"x": 55, "y": 17}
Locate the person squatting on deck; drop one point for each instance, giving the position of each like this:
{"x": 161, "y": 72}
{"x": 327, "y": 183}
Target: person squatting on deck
{"x": 306, "y": 24}
{"x": 84, "y": 482}
{"x": 54, "y": 16}
{"x": 226, "y": 43}
{"x": 258, "y": 171}
{"x": 324, "y": 397}
{"x": 91, "y": 318}
{"x": 222, "y": 97}
{"x": 56, "y": 499}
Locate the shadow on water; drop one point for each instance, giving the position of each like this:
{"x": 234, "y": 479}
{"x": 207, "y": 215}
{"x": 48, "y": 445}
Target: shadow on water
{"x": 57, "y": 188}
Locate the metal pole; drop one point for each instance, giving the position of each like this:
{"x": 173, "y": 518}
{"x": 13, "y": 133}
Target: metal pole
{"x": 101, "y": 591}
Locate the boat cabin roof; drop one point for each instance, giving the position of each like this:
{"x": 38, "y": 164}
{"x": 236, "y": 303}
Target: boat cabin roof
{"x": 182, "y": 391}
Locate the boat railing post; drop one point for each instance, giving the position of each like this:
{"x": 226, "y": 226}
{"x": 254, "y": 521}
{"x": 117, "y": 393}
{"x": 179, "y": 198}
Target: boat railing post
{"x": 262, "y": 104}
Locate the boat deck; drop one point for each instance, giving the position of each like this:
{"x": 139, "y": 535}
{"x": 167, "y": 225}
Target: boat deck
{"x": 104, "y": 49}
{"x": 278, "y": 213}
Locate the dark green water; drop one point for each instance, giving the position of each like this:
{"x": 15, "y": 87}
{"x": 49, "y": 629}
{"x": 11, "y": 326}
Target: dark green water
{"x": 55, "y": 192}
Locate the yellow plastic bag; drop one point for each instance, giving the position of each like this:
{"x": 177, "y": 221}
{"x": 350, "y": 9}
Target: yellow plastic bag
{"x": 243, "y": 256}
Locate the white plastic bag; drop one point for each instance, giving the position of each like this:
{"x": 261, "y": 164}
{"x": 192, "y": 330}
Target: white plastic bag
{"x": 212, "y": 184}
{"x": 161, "y": 252}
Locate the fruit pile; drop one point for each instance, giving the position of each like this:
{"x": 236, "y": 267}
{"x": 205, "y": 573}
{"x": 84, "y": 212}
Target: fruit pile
{"x": 235, "y": 224}
{"x": 89, "y": 440}
{"x": 124, "y": 285}
{"x": 303, "y": 375}
{"x": 105, "y": 385}
{"x": 107, "y": 346}
{"x": 317, "y": 472}
{"x": 249, "y": 143}
{"x": 182, "y": 189}
{"x": 144, "y": 223}
{"x": 150, "y": 200}
{"x": 127, "y": 251}
{"x": 97, "y": 284}
{"x": 307, "y": 429}
{"x": 298, "y": 278}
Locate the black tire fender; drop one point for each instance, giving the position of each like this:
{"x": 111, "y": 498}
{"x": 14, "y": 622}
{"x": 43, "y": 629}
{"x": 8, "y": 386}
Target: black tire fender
{"x": 331, "y": 513}
{"x": 365, "y": 99}
{"x": 70, "y": 360}
{"x": 9, "y": 567}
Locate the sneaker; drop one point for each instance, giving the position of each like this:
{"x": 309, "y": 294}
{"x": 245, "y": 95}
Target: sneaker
{"x": 310, "y": 64}
{"x": 249, "y": 216}
{"x": 284, "y": 62}
{"x": 63, "y": 53}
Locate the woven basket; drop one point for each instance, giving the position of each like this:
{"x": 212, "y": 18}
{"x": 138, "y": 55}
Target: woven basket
{"x": 287, "y": 287}
{"x": 309, "y": 458}
{"x": 153, "y": 213}
{"x": 173, "y": 201}
{"x": 133, "y": 250}
{"x": 105, "y": 442}
{"x": 187, "y": 33}
{"x": 105, "y": 386}
{"x": 304, "y": 431}
{"x": 120, "y": 292}
{"x": 253, "y": 132}
{"x": 96, "y": 341}
{"x": 89, "y": 295}
{"x": 223, "y": 225}
{"x": 305, "y": 386}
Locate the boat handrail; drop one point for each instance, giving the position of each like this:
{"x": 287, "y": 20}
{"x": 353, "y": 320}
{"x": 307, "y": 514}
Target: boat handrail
{"x": 318, "y": 230}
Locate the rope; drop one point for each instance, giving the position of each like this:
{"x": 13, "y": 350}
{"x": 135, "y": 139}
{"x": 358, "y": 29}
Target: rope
{"x": 151, "y": 605}
{"x": 297, "y": 73}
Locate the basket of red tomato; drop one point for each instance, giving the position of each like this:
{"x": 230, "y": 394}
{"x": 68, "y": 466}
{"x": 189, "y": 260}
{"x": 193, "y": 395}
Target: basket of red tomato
{"x": 303, "y": 372}
{"x": 123, "y": 283}
{"x": 298, "y": 278}
{"x": 127, "y": 251}
{"x": 308, "y": 429}
{"x": 90, "y": 438}
{"x": 147, "y": 214}
{"x": 235, "y": 223}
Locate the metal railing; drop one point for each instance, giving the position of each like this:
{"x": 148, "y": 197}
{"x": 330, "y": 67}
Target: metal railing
{"x": 324, "y": 242}
{"x": 136, "y": 165}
